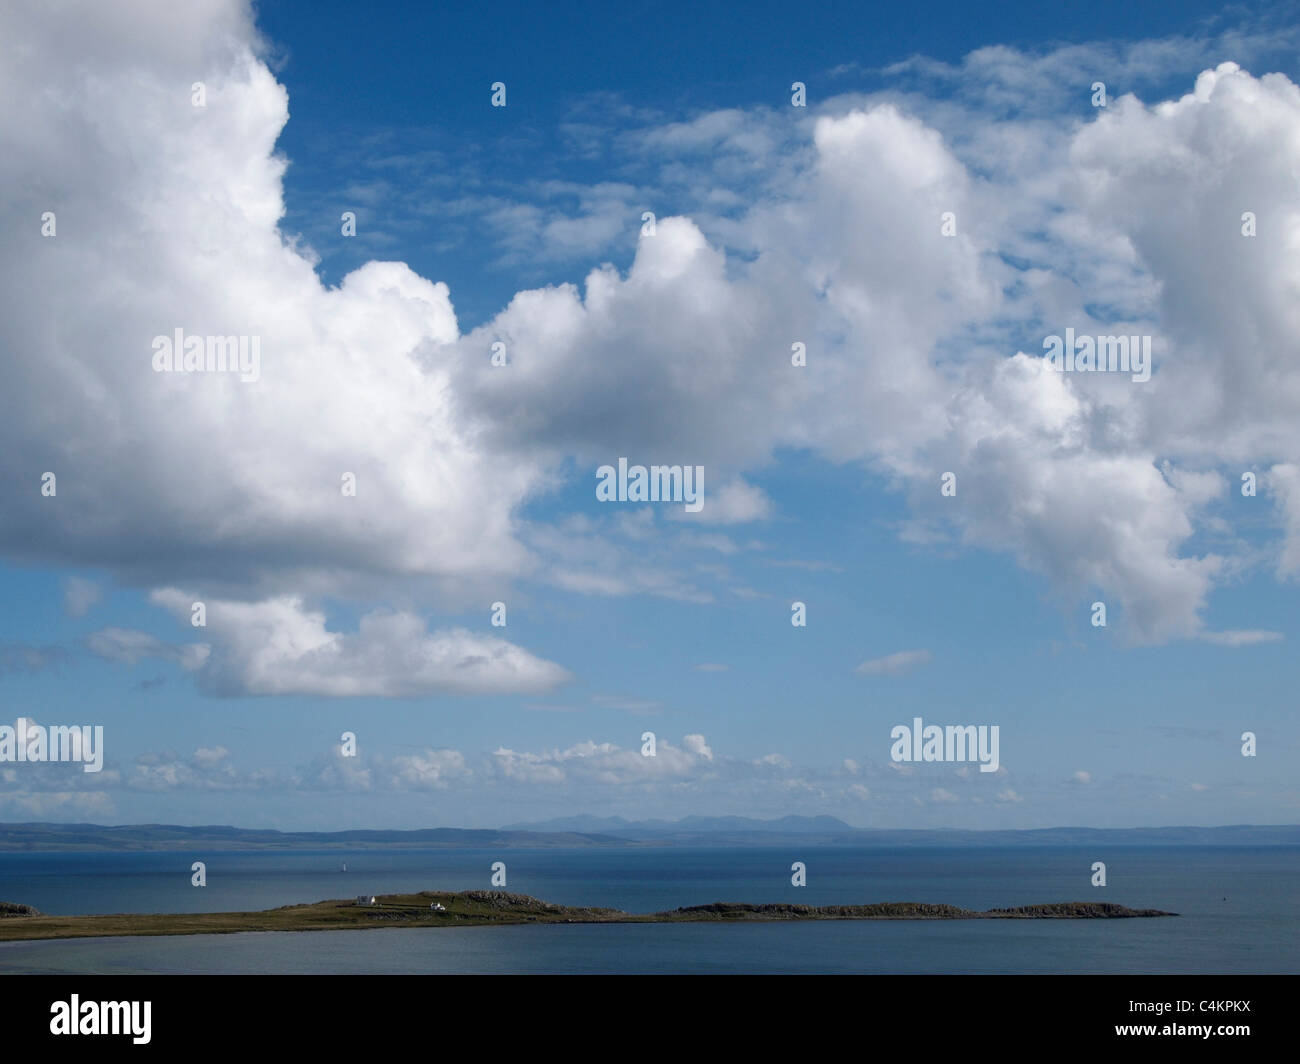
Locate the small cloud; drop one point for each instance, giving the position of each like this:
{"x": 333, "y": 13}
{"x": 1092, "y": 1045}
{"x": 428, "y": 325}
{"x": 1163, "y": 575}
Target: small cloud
{"x": 1179, "y": 731}
{"x": 779, "y": 760}
{"x": 1199, "y": 787}
{"x": 427, "y": 770}
{"x": 1243, "y": 637}
{"x": 696, "y": 745}
{"x": 1082, "y": 777}
{"x": 844, "y": 69}
{"x": 859, "y": 791}
{"x": 79, "y": 595}
{"x": 851, "y": 766}
{"x": 22, "y": 657}
{"x": 734, "y": 503}
{"x": 942, "y": 796}
{"x": 129, "y": 646}
{"x": 628, "y": 705}
{"x": 710, "y": 667}
{"x": 605, "y": 763}
{"x": 209, "y": 756}
{"x": 894, "y": 664}
{"x": 809, "y": 566}
{"x": 1008, "y": 795}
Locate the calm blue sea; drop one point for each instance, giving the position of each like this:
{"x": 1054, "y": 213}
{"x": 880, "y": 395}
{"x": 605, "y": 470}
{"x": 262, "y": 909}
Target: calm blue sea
{"x": 1240, "y": 910}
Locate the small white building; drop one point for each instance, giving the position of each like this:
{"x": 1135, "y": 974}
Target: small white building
{"x": 438, "y": 907}
{"x": 365, "y": 899}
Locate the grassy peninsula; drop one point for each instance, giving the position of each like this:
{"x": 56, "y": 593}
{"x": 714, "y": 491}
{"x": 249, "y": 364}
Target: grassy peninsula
{"x": 472, "y": 908}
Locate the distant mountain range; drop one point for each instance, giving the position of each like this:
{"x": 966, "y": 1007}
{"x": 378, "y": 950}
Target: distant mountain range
{"x": 584, "y": 831}
{"x": 828, "y": 830}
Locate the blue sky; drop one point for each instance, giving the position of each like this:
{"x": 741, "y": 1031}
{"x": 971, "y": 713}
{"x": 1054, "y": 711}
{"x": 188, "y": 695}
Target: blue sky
{"x": 775, "y": 224}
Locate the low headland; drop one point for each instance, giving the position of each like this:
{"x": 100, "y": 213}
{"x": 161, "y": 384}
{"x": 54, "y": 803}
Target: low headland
{"x": 472, "y": 908}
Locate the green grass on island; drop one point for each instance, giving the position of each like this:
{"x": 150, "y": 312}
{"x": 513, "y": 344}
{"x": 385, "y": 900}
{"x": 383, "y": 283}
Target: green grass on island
{"x": 471, "y": 908}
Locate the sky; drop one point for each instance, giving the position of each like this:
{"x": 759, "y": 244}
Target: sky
{"x": 648, "y": 226}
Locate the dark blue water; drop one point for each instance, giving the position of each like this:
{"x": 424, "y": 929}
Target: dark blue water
{"x": 1240, "y": 910}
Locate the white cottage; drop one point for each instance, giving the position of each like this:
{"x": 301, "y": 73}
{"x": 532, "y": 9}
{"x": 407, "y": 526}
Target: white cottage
{"x": 365, "y": 899}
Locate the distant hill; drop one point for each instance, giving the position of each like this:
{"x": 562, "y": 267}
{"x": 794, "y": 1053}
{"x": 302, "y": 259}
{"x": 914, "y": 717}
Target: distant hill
{"x": 616, "y": 825}
{"x": 89, "y": 837}
{"x": 828, "y": 830}
{"x": 585, "y": 831}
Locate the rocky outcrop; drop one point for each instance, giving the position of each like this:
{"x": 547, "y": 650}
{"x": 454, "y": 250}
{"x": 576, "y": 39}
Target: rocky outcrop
{"x": 1075, "y": 910}
{"x": 908, "y": 910}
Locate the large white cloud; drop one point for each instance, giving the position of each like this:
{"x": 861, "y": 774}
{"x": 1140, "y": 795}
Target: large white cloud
{"x": 167, "y": 218}
{"x": 279, "y": 647}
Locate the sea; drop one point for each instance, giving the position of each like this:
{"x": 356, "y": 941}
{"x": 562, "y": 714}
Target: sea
{"x": 1239, "y": 910}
